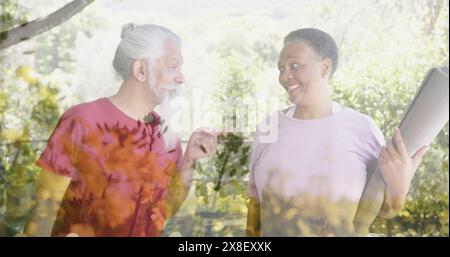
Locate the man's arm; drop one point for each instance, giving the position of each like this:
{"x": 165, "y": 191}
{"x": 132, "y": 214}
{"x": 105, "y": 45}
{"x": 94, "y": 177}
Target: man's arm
{"x": 179, "y": 187}
{"x": 201, "y": 144}
{"x": 49, "y": 194}
{"x": 253, "y": 218}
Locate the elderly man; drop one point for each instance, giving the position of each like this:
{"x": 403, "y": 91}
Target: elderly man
{"x": 113, "y": 167}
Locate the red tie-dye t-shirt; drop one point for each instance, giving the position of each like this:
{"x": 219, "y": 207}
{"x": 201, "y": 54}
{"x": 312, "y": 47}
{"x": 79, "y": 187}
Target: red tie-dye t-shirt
{"x": 119, "y": 167}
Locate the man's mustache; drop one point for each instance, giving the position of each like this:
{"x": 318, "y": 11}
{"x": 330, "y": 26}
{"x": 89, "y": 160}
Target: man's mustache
{"x": 170, "y": 87}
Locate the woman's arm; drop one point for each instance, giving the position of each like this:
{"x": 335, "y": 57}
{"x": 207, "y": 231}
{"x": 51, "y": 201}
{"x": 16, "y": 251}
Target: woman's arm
{"x": 397, "y": 169}
{"x": 386, "y": 191}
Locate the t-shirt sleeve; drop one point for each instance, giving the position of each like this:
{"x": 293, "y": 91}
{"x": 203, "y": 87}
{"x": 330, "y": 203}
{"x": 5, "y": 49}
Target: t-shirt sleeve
{"x": 261, "y": 143}
{"x": 60, "y": 154}
{"x": 251, "y": 187}
{"x": 255, "y": 157}
{"x": 180, "y": 156}
{"x": 375, "y": 144}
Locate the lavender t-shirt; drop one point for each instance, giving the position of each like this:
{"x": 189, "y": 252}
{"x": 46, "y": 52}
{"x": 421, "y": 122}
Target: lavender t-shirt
{"x": 310, "y": 179}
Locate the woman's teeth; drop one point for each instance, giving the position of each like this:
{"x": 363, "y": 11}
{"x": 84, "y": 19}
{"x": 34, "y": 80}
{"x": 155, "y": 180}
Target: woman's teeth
{"x": 291, "y": 88}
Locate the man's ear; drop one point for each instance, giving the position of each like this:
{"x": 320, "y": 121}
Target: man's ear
{"x": 327, "y": 66}
{"x": 139, "y": 69}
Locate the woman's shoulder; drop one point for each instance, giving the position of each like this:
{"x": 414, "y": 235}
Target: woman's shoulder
{"x": 357, "y": 116}
{"x": 269, "y": 118}
{"x": 364, "y": 123}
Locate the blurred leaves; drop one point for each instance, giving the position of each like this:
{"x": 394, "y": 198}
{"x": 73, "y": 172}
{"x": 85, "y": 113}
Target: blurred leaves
{"x": 388, "y": 48}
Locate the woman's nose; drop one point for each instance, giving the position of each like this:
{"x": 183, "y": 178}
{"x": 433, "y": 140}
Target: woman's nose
{"x": 286, "y": 76}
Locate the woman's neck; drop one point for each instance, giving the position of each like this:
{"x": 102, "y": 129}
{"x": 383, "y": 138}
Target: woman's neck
{"x": 319, "y": 109}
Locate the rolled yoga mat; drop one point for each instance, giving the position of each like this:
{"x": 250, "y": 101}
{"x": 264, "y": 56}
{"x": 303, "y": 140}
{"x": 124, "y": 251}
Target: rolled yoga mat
{"x": 424, "y": 119}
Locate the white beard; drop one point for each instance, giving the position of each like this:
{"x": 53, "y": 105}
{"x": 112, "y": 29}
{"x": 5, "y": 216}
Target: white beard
{"x": 165, "y": 110}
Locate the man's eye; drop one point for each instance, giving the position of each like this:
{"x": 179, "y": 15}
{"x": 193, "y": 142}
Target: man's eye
{"x": 281, "y": 69}
{"x": 295, "y": 65}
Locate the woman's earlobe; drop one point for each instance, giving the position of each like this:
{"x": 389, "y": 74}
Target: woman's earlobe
{"x": 327, "y": 71}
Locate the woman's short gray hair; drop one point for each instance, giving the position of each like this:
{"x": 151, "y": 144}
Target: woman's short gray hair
{"x": 141, "y": 42}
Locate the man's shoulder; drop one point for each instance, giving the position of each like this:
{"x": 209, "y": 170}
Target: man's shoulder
{"x": 83, "y": 110}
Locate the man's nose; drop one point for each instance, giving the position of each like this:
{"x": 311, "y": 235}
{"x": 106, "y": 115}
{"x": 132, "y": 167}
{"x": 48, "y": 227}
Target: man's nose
{"x": 180, "y": 79}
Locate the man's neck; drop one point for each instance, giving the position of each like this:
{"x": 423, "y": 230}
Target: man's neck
{"x": 134, "y": 100}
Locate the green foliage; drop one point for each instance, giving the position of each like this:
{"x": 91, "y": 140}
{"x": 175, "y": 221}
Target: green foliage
{"x": 11, "y": 14}
{"x": 385, "y": 50}
{"x": 223, "y": 188}
{"x": 227, "y": 168}
{"x": 383, "y": 89}
{"x": 54, "y": 50}
{"x": 426, "y": 208}
{"x": 30, "y": 105}
{"x": 19, "y": 148}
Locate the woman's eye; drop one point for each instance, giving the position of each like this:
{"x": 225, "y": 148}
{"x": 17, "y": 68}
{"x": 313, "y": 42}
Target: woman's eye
{"x": 295, "y": 66}
{"x": 281, "y": 69}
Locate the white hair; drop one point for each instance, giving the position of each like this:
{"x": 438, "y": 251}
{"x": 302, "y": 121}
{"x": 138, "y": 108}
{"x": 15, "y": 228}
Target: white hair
{"x": 141, "y": 42}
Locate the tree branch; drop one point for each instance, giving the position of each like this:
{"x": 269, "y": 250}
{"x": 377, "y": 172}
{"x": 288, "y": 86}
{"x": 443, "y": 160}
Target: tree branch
{"x": 28, "y": 30}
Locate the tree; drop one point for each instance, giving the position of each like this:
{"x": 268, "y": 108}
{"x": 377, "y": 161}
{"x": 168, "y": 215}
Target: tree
{"x": 28, "y": 30}
{"x": 34, "y": 102}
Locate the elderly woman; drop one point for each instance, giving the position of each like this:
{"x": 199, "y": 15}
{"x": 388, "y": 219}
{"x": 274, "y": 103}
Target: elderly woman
{"x": 309, "y": 181}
